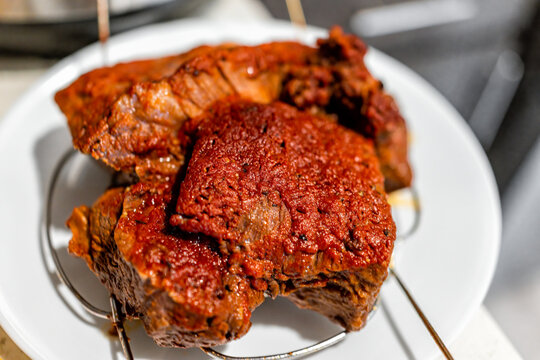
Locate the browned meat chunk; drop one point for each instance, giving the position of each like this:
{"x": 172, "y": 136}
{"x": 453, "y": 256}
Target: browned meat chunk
{"x": 297, "y": 201}
{"x": 177, "y": 283}
{"x": 237, "y": 193}
{"x": 128, "y": 115}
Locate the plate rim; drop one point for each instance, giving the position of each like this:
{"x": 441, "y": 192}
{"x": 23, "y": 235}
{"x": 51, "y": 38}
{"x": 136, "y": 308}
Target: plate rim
{"x": 9, "y": 120}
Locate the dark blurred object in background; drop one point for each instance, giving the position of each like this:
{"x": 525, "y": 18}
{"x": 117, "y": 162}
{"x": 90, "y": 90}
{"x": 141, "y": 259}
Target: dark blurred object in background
{"x": 521, "y": 127}
{"x": 55, "y": 28}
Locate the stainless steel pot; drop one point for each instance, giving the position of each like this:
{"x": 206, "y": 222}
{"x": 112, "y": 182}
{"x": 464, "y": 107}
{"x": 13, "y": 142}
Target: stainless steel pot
{"x": 55, "y": 11}
{"x": 58, "y": 27}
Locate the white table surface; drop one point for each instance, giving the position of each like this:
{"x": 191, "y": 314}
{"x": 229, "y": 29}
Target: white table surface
{"x": 482, "y": 339}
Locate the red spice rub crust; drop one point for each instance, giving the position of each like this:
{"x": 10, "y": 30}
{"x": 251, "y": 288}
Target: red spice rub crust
{"x": 292, "y": 198}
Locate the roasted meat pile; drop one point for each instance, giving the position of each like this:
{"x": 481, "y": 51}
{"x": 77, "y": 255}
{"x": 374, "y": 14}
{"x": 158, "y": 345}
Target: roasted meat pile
{"x": 254, "y": 170}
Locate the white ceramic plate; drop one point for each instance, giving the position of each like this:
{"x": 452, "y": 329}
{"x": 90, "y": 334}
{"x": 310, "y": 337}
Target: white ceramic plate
{"x": 448, "y": 264}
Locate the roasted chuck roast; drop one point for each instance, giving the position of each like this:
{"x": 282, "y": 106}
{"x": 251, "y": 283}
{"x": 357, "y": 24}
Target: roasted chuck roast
{"x": 255, "y": 170}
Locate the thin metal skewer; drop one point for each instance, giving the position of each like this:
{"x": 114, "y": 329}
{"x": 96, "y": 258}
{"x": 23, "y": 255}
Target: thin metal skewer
{"x": 294, "y": 354}
{"x": 103, "y": 20}
{"x": 417, "y": 214}
{"x": 118, "y": 322}
{"x": 104, "y": 29}
{"x": 296, "y": 13}
{"x": 420, "y": 313}
{"x": 115, "y": 315}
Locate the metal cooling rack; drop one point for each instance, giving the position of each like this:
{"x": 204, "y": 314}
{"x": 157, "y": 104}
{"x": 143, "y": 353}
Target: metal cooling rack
{"x": 116, "y": 316}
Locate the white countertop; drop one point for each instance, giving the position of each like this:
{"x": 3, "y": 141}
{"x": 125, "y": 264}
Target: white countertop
{"x": 481, "y": 339}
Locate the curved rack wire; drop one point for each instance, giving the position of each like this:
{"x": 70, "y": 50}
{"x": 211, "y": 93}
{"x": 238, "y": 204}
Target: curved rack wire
{"x": 295, "y": 354}
{"x": 103, "y": 314}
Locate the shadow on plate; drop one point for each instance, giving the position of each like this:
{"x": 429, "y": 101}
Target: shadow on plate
{"x": 81, "y": 182}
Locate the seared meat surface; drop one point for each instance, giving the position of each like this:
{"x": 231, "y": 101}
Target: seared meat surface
{"x": 294, "y": 199}
{"x": 127, "y": 115}
{"x": 259, "y": 170}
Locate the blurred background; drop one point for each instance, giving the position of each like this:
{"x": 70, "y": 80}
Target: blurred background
{"x": 482, "y": 55}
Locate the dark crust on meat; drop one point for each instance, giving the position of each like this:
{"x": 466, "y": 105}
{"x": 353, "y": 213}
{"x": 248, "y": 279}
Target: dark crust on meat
{"x": 338, "y": 81}
{"x": 179, "y": 287}
{"x": 293, "y": 198}
{"x": 346, "y": 298}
